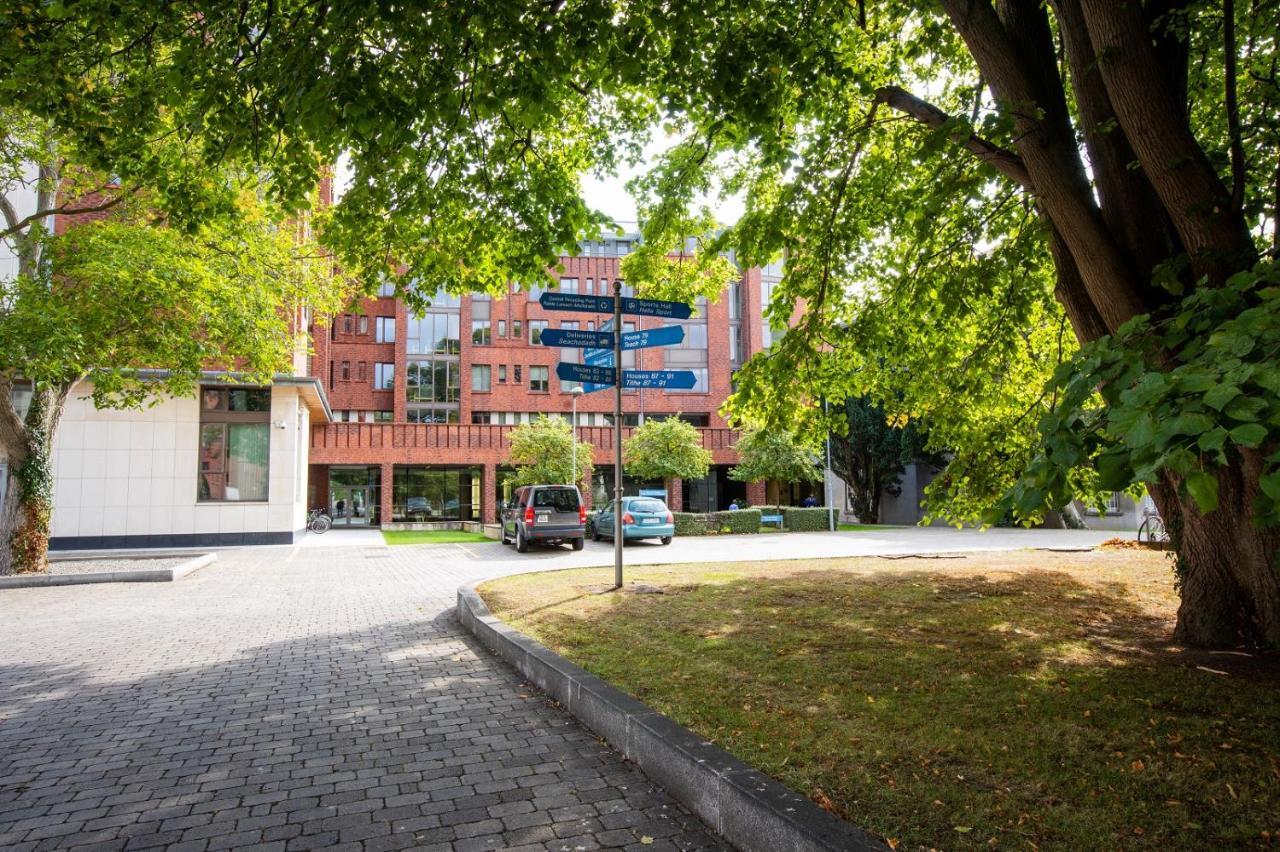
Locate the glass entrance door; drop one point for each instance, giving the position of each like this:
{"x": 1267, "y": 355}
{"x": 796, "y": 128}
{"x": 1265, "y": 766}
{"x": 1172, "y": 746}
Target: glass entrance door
{"x": 349, "y": 505}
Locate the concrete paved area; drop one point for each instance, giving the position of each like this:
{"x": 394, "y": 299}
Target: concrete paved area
{"x": 323, "y": 697}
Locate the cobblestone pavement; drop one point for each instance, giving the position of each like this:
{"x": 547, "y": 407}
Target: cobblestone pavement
{"x": 296, "y": 698}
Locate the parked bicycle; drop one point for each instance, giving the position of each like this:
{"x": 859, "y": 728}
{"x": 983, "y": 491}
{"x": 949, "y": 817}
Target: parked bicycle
{"x": 1152, "y": 530}
{"x": 318, "y": 521}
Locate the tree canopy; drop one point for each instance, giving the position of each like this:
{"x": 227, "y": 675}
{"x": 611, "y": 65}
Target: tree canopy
{"x": 666, "y": 449}
{"x": 871, "y": 453}
{"x": 775, "y": 454}
{"x": 543, "y": 451}
{"x": 963, "y": 191}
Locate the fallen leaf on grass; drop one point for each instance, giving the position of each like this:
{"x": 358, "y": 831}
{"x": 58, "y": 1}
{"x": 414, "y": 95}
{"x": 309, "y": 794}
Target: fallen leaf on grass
{"x": 647, "y": 840}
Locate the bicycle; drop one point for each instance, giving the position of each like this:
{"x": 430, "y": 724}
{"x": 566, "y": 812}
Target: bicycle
{"x": 318, "y": 521}
{"x": 1153, "y": 528}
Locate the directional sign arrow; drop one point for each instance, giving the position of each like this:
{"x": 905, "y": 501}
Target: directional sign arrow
{"x": 655, "y": 308}
{"x": 580, "y": 302}
{"x": 599, "y": 358}
{"x": 586, "y": 373}
{"x": 574, "y": 337}
{"x": 664, "y": 336}
{"x": 678, "y": 379}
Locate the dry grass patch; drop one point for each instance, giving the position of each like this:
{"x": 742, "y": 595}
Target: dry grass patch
{"x": 1023, "y": 699}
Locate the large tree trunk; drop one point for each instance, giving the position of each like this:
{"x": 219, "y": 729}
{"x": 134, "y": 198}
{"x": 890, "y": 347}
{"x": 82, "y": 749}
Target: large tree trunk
{"x": 1229, "y": 584}
{"x": 27, "y": 511}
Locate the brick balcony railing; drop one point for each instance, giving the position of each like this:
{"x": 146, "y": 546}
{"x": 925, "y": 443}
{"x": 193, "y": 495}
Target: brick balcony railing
{"x": 413, "y": 443}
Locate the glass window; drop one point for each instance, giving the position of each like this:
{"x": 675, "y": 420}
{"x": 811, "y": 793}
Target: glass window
{"x": 480, "y": 333}
{"x": 735, "y": 344}
{"x": 735, "y": 300}
{"x": 384, "y": 376}
{"x": 480, "y": 418}
{"x": 535, "y": 331}
{"x": 385, "y": 330}
{"x": 445, "y": 299}
{"x": 516, "y": 332}
{"x": 432, "y": 380}
{"x": 387, "y": 288}
{"x": 517, "y": 378}
{"x": 346, "y": 323}
{"x": 480, "y": 374}
{"x": 502, "y": 328}
{"x": 502, "y": 374}
{"x": 345, "y": 372}
{"x": 364, "y": 324}
{"x": 430, "y": 414}
{"x": 382, "y": 416}
{"x": 539, "y": 379}
{"x": 435, "y": 494}
{"x": 433, "y": 332}
{"x": 536, "y": 290}
{"x": 235, "y": 444}
{"x": 568, "y": 285}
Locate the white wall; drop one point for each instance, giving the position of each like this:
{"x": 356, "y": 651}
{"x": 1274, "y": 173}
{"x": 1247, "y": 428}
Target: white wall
{"x": 23, "y": 198}
{"x": 134, "y": 473}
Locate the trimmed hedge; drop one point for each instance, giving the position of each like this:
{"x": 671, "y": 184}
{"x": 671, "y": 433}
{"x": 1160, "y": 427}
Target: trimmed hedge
{"x": 738, "y": 521}
{"x": 799, "y": 519}
{"x": 691, "y": 523}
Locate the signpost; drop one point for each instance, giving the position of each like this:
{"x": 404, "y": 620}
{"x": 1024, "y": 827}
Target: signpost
{"x": 602, "y": 364}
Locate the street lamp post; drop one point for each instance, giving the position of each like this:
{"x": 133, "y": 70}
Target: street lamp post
{"x": 573, "y": 428}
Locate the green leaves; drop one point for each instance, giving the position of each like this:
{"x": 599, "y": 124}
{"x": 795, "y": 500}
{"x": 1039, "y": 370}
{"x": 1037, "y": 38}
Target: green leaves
{"x": 665, "y": 449}
{"x": 774, "y": 453}
{"x": 543, "y": 451}
{"x": 1203, "y": 488}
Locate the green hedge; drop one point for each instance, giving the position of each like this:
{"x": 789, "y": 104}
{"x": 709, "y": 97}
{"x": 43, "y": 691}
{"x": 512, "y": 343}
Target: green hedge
{"x": 798, "y": 519}
{"x": 738, "y": 521}
{"x": 690, "y": 523}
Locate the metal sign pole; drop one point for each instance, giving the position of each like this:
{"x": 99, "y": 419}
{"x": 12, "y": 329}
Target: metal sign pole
{"x": 617, "y": 434}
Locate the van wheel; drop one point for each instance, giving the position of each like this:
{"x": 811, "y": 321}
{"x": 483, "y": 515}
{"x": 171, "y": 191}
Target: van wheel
{"x": 666, "y": 539}
{"x": 522, "y": 546}
{"x": 578, "y": 544}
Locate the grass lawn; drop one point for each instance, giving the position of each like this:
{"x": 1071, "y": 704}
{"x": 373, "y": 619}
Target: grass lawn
{"x": 431, "y": 536}
{"x": 864, "y": 527}
{"x": 1025, "y": 699}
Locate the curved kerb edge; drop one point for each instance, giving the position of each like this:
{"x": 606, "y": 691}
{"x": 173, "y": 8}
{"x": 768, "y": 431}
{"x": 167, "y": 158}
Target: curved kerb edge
{"x": 746, "y": 807}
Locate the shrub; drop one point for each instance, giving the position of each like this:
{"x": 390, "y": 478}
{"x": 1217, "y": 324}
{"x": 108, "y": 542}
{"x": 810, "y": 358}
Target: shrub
{"x": 799, "y": 519}
{"x": 739, "y": 521}
{"x": 691, "y": 523}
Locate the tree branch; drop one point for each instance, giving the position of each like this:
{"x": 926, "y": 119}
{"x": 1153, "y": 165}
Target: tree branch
{"x": 1002, "y": 160}
{"x": 1233, "y": 106}
{"x": 62, "y": 210}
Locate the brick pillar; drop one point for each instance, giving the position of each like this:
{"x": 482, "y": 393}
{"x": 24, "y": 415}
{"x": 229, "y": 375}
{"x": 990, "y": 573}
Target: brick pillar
{"x": 675, "y": 495}
{"x": 756, "y": 493}
{"x": 385, "y": 493}
{"x": 489, "y": 494}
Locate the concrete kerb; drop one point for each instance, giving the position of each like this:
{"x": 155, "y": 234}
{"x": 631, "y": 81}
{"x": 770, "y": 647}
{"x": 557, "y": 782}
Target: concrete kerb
{"x": 142, "y": 575}
{"x": 749, "y": 809}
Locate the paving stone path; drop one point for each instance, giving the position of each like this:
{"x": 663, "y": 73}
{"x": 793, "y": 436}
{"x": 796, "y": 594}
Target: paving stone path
{"x": 290, "y": 699}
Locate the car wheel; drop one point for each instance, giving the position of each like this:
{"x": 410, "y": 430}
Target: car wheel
{"x": 595, "y": 533}
{"x": 666, "y": 539}
{"x": 522, "y": 545}
{"x": 578, "y": 544}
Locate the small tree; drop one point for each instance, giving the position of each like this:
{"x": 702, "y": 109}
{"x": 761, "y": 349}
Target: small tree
{"x": 543, "y": 451}
{"x": 872, "y": 454}
{"x": 772, "y": 454}
{"x": 666, "y": 449}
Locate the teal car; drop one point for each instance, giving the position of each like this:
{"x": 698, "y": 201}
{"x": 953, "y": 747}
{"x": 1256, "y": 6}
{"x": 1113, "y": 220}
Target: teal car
{"x": 642, "y": 517}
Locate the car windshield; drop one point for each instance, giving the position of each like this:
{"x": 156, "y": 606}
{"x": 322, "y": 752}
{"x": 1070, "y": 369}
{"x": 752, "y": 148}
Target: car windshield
{"x": 559, "y": 499}
{"x": 647, "y": 506}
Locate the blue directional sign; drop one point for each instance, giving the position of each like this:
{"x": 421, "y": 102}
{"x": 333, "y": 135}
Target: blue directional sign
{"x": 665, "y": 336}
{"x": 580, "y": 302}
{"x": 586, "y": 373}
{"x": 576, "y": 338}
{"x": 678, "y": 379}
{"x": 655, "y": 308}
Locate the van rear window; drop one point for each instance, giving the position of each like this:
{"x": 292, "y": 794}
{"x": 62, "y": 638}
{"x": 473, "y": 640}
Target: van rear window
{"x": 559, "y": 499}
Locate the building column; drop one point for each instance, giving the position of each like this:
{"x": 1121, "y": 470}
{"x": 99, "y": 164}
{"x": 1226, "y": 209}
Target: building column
{"x": 489, "y": 494}
{"x": 384, "y": 493}
{"x": 675, "y": 495}
{"x": 756, "y": 493}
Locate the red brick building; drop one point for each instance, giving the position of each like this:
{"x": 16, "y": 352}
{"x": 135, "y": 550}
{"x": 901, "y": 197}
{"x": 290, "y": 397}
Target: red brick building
{"x": 423, "y": 404}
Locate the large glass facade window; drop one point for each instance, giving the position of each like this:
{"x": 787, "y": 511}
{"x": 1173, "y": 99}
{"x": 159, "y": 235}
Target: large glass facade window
{"x": 435, "y": 494}
{"x": 235, "y": 444}
{"x": 433, "y": 380}
{"x": 431, "y": 414}
{"x": 433, "y": 332}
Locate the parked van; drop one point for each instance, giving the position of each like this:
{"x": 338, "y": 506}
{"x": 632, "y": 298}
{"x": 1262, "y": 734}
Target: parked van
{"x": 545, "y": 514}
